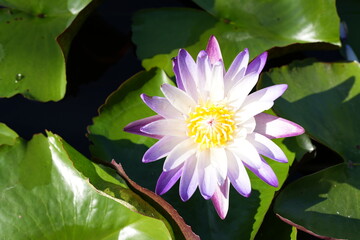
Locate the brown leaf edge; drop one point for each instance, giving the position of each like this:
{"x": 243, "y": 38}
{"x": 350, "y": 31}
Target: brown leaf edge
{"x": 180, "y": 228}
{"x": 305, "y": 229}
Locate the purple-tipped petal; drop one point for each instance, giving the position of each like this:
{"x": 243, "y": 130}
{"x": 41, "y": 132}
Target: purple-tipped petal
{"x": 176, "y": 70}
{"x": 213, "y": 50}
{"x": 220, "y": 199}
{"x": 188, "y": 72}
{"x": 135, "y": 127}
{"x": 218, "y": 159}
{"x": 178, "y": 98}
{"x": 179, "y": 154}
{"x": 265, "y": 173}
{"x": 237, "y": 69}
{"x": 275, "y": 127}
{"x": 260, "y": 101}
{"x": 238, "y": 175}
{"x": 165, "y": 127}
{"x": 246, "y": 152}
{"x": 266, "y": 147}
{"x": 168, "y": 179}
{"x": 161, "y": 148}
{"x": 257, "y": 64}
{"x": 161, "y": 106}
{"x": 207, "y": 175}
{"x": 189, "y": 179}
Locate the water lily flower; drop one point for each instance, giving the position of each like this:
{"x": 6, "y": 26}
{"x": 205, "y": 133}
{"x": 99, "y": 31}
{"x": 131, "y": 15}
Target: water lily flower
{"x": 211, "y": 128}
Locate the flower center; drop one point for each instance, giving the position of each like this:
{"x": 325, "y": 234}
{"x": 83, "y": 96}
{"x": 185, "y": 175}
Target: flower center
{"x": 211, "y": 125}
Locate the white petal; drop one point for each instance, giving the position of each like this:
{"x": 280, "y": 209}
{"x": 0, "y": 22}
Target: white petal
{"x": 166, "y": 127}
{"x": 178, "y": 98}
{"x": 238, "y": 175}
{"x": 161, "y": 106}
{"x": 261, "y": 100}
{"x": 207, "y": 175}
{"x": 266, "y": 147}
{"x": 161, "y": 148}
{"x": 219, "y": 161}
{"x": 246, "y": 152}
{"x": 204, "y": 73}
{"x": 216, "y": 82}
{"x": 179, "y": 154}
{"x": 189, "y": 179}
{"x": 238, "y": 93}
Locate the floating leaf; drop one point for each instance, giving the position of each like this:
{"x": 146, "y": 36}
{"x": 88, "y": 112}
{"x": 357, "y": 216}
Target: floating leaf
{"x": 324, "y": 204}
{"x": 324, "y": 99}
{"x": 257, "y": 25}
{"x": 45, "y": 196}
{"x": 31, "y": 60}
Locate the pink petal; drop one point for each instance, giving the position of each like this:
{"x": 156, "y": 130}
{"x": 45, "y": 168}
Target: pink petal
{"x": 265, "y": 173}
{"x": 266, "y": 147}
{"x": 166, "y": 127}
{"x": 161, "y": 106}
{"x": 220, "y": 199}
{"x": 168, "y": 179}
{"x": 189, "y": 179}
{"x": 257, "y": 64}
{"x": 213, "y": 50}
{"x": 275, "y": 127}
{"x": 161, "y": 148}
{"x": 135, "y": 127}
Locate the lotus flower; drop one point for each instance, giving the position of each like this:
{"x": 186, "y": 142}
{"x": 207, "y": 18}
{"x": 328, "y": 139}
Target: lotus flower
{"x": 211, "y": 128}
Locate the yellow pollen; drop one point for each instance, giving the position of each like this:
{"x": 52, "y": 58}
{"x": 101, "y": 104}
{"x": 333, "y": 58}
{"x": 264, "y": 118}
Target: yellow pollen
{"x": 211, "y": 125}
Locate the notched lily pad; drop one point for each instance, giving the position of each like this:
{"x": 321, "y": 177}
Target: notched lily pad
{"x": 31, "y": 60}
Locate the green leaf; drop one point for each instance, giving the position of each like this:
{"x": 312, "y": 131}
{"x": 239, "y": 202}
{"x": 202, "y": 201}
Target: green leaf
{"x": 324, "y": 203}
{"x": 110, "y": 142}
{"x": 45, "y": 196}
{"x": 7, "y": 135}
{"x": 31, "y": 60}
{"x": 257, "y": 25}
{"x": 273, "y": 225}
{"x": 324, "y": 99}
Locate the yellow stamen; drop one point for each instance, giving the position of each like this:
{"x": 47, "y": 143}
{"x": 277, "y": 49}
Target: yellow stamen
{"x": 211, "y": 125}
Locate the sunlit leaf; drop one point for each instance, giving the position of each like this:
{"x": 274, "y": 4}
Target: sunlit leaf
{"x": 31, "y": 60}
{"x": 47, "y": 192}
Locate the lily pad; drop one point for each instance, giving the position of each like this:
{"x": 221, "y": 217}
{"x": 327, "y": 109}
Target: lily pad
{"x": 31, "y": 60}
{"x": 110, "y": 142}
{"x": 324, "y": 204}
{"x": 45, "y": 196}
{"x": 257, "y": 25}
{"x": 324, "y": 99}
